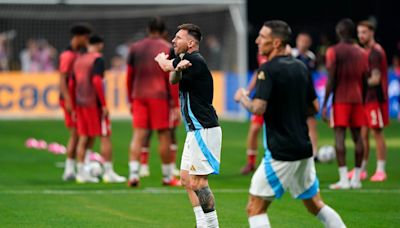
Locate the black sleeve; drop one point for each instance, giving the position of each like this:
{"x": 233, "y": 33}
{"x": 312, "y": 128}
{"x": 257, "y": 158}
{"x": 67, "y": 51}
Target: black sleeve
{"x": 98, "y": 67}
{"x": 197, "y": 68}
{"x": 176, "y": 61}
{"x": 264, "y": 84}
{"x": 375, "y": 59}
{"x": 171, "y": 53}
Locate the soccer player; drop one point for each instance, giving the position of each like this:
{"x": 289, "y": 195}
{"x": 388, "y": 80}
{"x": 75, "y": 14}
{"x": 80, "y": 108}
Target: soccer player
{"x": 283, "y": 92}
{"x": 303, "y": 53}
{"x": 202, "y": 149}
{"x": 347, "y": 68}
{"x": 79, "y": 38}
{"x": 257, "y": 122}
{"x": 376, "y": 103}
{"x": 175, "y": 120}
{"x": 148, "y": 92}
{"x": 91, "y": 111}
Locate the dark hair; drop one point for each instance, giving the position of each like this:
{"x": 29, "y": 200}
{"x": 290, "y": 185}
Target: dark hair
{"x": 156, "y": 24}
{"x": 345, "y": 29}
{"x": 95, "y": 39}
{"x": 192, "y": 29}
{"x": 367, "y": 24}
{"x": 280, "y": 29}
{"x": 303, "y": 33}
{"x": 80, "y": 29}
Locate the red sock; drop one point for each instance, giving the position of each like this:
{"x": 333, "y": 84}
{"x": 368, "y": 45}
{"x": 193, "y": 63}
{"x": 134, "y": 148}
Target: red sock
{"x": 144, "y": 156}
{"x": 251, "y": 159}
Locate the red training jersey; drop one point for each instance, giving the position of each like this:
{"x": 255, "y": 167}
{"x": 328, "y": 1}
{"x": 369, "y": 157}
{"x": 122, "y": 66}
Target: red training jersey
{"x": 145, "y": 78}
{"x": 350, "y": 66}
{"x": 87, "y": 66}
{"x": 377, "y": 60}
{"x": 66, "y": 61}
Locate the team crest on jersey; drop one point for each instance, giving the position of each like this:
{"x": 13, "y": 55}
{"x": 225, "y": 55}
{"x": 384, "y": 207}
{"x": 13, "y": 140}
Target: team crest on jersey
{"x": 261, "y": 75}
{"x": 192, "y": 168}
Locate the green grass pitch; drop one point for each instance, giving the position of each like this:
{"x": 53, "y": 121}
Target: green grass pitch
{"x": 33, "y": 195}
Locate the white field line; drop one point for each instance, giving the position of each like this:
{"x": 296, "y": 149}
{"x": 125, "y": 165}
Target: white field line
{"x": 167, "y": 191}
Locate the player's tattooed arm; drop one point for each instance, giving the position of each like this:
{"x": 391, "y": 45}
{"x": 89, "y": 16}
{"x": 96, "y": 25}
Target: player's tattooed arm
{"x": 175, "y": 77}
{"x": 164, "y": 63}
{"x": 256, "y": 106}
{"x": 206, "y": 199}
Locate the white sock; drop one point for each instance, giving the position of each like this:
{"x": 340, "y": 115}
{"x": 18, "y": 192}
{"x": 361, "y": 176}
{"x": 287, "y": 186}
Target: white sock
{"x": 364, "y": 165}
{"x": 173, "y": 147}
{"x": 259, "y": 221}
{"x": 356, "y": 175}
{"x": 251, "y": 152}
{"x": 380, "y": 166}
{"x": 200, "y": 217}
{"x": 172, "y": 166}
{"x": 87, "y": 155}
{"x": 343, "y": 173}
{"x": 108, "y": 167}
{"x": 81, "y": 167}
{"x": 69, "y": 165}
{"x": 134, "y": 169}
{"x": 212, "y": 219}
{"x": 330, "y": 218}
{"x": 166, "y": 171}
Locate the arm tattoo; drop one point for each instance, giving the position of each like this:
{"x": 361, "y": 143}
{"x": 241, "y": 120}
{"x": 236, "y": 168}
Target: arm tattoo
{"x": 247, "y": 104}
{"x": 206, "y": 199}
{"x": 175, "y": 77}
{"x": 256, "y": 108}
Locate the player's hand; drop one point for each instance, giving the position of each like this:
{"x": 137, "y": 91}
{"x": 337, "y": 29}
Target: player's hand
{"x": 104, "y": 112}
{"x": 175, "y": 114}
{"x": 239, "y": 93}
{"x": 68, "y": 106}
{"x": 182, "y": 65}
{"x": 161, "y": 57}
{"x": 73, "y": 116}
{"x": 325, "y": 114}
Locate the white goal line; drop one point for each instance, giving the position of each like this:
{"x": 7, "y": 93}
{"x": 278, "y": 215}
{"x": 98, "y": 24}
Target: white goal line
{"x": 166, "y": 191}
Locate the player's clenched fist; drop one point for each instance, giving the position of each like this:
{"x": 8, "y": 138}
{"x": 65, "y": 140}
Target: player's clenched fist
{"x": 182, "y": 65}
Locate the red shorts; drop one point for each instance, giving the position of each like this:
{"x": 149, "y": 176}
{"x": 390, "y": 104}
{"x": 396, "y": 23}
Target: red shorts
{"x": 69, "y": 119}
{"x": 374, "y": 113}
{"x": 91, "y": 123}
{"x": 151, "y": 114}
{"x": 347, "y": 115}
{"x": 257, "y": 119}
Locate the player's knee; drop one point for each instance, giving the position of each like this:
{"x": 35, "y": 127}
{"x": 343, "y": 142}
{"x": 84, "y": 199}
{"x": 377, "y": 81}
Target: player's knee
{"x": 256, "y": 206}
{"x": 185, "y": 181}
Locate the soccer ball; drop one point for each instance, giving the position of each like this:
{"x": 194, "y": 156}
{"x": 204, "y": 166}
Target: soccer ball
{"x": 95, "y": 169}
{"x": 326, "y": 154}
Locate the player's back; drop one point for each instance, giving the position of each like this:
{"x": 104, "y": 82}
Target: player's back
{"x": 351, "y": 66}
{"x": 285, "y": 117}
{"x": 149, "y": 80}
{"x": 84, "y": 89}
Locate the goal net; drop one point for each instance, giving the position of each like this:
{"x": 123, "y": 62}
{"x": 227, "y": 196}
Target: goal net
{"x": 44, "y": 25}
